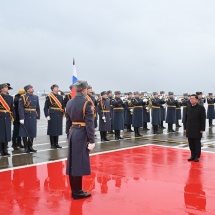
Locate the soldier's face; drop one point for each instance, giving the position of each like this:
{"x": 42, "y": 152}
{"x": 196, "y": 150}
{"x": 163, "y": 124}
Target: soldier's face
{"x": 55, "y": 90}
{"x": 84, "y": 92}
{"x": 117, "y": 95}
{"x": 90, "y": 90}
{"x": 130, "y": 96}
{"x": 156, "y": 95}
{"x": 4, "y": 90}
{"x": 104, "y": 96}
{"x": 30, "y": 90}
{"x": 137, "y": 95}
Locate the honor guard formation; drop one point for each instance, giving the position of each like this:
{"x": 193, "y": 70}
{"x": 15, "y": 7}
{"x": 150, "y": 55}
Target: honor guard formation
{"x": 112, "y": 113}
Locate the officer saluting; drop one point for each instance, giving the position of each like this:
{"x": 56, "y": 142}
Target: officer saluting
{"x": 29, "y": 112}
{"x": 54, "y": 112}
{"x": 118, "y": 115}
{"x": 80, "y": 132}
{"x": 104, "y": 116}
{"x": 6, "y": 116}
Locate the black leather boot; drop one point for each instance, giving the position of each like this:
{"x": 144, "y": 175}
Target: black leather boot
{"x": 105, "y": 136}
{"x": 19, "y": 143}
{"x": 30, "y": 145}
{"x": 1, "y": 149}
{"x": 138, "y": 132}
{"x": 102, "y": 136}
{"x": 119, "y": 137}
{"x": 52, "y": 142}
{"x": 56, "y": 142}
{"x": 25, "y": 141}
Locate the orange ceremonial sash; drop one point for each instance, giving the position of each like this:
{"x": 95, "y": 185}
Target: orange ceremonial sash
{"x": 57, "y": 102}
{"x": 6, "y": 107}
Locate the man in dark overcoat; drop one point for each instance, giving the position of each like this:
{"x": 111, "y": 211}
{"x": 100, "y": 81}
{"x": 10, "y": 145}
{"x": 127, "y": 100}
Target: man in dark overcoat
{"x": 6, "y": 116}
{"x": 104, "y": 116}
{"x": 81, "y": 134}
{"x": 29, "y": 113}
{"x": 54, "y": 112}
{"x": 194, "y": 127}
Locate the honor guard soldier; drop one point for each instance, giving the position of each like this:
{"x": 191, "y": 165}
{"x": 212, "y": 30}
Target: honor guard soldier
{"x": 137, "y": 119}
{"x": 171, "y": 112}
{"x": 185, "y": 102}
{"x": 128, "y": 112}
{"x": 162, "y": 109}
{"x": 104, "y": 116}
{"x": 29, "y": 112}
{"x": 6, "y": 117}
{"x": 110, "y": 97}
{"x": 178, "y": 112}
{"x": 54, "y": 112}
{"x": 118, "y": 115}
{"x": 80, "y": 132}
{"x": 210, "y": 111}
{"x": 201, "y": 100}
{"x": 156, "y": 111}
{"x": 92, "y": 99}
{"x": 68, "y": 96}
{"x": 16, "y": 139}
{"x": 146, "y": 111}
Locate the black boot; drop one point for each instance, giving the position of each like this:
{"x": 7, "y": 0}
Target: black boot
{"x": 161, "y": 126}
{"x": 25, "y": 141}
{"x": 102, "y": 136}
{"x": 129, "y": 128}
{"x": 4, "y": 147}
{"x": 116, "y": 134}
{"x": 169, "y": 127}
{"x": 145, "y": 126}
{"x": 177, "y": 124}
{"x": 15, "y": 145}
{"x": 138, "y": 132}
{"x": 135, "y": 132}
{"x": 1, "y": 149}
{"x": 154, "y": 129}
{"x": 52, "y": 142}
{"x": 210, "y": 123}
{"x": 19, "y": 142}
{"x": 119, "y": 137}
{"x": 105, "y": 136}
{"x": 56, "y": 142}
{"x": 30, "y": 144}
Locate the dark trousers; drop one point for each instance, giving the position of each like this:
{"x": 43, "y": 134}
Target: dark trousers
{"x": 75, "y": 183}
{"x": 195, "y": 147}
{"x": 16, "y": 139}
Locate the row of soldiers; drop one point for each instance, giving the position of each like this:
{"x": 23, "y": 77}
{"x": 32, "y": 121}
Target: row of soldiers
{"x": 113, "y": 113}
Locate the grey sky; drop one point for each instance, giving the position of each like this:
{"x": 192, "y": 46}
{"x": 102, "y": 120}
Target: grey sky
{"x": 117, "y": 44}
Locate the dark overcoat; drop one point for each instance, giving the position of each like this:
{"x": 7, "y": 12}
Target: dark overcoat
{"x": 146, "y": 113}
{"x": 185, "y": 103}
{"x": 5, "y": 119}
{"x": 29, "y": 110}
{"x": 104, "y": 110}
{"x": 128, "y": 113}
{"x": 210, "y": 111}
{"x": 156, "y": 112}
{"x": 137, "y": 119}
{"x": 178, "y": 110}
{"x": 79, "y": 109}
{"x": 118, "y": 114}
{"x": 55, "y": 124}
{"x": 195, "y": 121}
{"x": 171, "y": 111}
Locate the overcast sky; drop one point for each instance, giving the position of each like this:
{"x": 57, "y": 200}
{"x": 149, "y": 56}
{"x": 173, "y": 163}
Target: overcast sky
{"x": 117, "y": 44}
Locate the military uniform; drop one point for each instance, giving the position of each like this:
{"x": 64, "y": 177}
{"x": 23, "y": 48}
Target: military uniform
{"x": 185, "y": 102}
{"x": 29, "y": 111}
{"x": 162, "y": 109}
{"x": 171, "y": 112}
{"x": 146, "y": 115}
{"x": 210, "y": 110}
{"x": 6, "y": 116}
{"x": 201, "y": 100}
{"x": 128, "y": 113}
{"x": 137, "y": 119}
{"x": 80, "y": 132}
{"x": 67, "y": 97}
{"x": 178, "y": 113}
{"x": 118, "y": 115}
{"x": 16, "y": 139}
{"x": 156, "y": 112}
{"x": 110, "y": 97}
{"x": 104, "y": 116}
{"x": 54, "y": 111}
{"x": 92, "y": 99}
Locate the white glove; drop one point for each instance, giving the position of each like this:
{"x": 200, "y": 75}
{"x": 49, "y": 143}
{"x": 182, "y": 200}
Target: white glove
{"x": 145, "y": 100}
{"x": 21, "y": 121}
{"x": 147, "y": 108}
{"x": 163, "y": 105}
{"x": 104, "y": 118}
{"x": 160, "y": 97}
{"x": 48, "y": 118}
{"x": 131, "y": 110}
{"x": 91, "y": 146}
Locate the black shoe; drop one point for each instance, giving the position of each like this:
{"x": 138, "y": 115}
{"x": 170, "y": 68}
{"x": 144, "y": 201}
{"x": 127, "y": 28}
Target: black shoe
{"x": 138, "y": 135}
{"x": 171, "y": 130}
{"x": 196, "y": 160}
{"x": 120, "y": 138}
{"x": 146, "y": 129}
{"x": 31, "y": 149}
{"x": 191, "y": 159}
{"x": 15, "y": 147}
{"x": 53, "y": 146}
{"x": 105, "y": 139}
{"x": 129, "y": 130}
{"x": 80, "y": 195}
{"x": 57, "y": 146}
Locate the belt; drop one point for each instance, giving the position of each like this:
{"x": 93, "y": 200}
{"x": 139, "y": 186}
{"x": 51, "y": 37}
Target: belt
{"x": 155, "y": 107}
{"x": 131, "y": 107}
{"x": 79, "y": 123}
{"x": 171, "y": 106}
{"x": 11, "y": 115}
{"x": 184, "y": 106}
{"x": 105, "y": 111}
{"x": 138, "y": 106}
{"x": 210, "y": 104}
{"x": 30, "y": 109}
{"x": 178, "y": 108}
{"x": 53, "y": 108}
{"x": 119, "y": 108}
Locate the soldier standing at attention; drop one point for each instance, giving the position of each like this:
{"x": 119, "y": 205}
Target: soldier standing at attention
{"x": 104, "y": 116}
{"x": 54, "y": 112}
{"x": 128, "y": 112}
{"x": 210, "y": 111}
{"x": 81, "y": 133}
{"x": 162, "y": 109}
{"x": 118, "y": 115}
{"x": 6, "y": 116}
{"x": 185, "y": 102}
{"x": 16, "y": 139}
{"x": 68, "y": 96}
{"x": 29, "y": 112}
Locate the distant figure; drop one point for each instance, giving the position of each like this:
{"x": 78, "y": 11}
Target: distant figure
{"x": 81, "y": 133}
{"x": 210, "y": 111}
{"x": 68, "y": 96}
{"x": 201, "y": 100}
{"x": 185, "y": 102}
{"x": 194, "y": 127}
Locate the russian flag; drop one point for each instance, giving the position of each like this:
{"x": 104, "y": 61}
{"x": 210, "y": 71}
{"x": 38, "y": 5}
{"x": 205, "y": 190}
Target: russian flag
{"x": 74, "y": 78}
